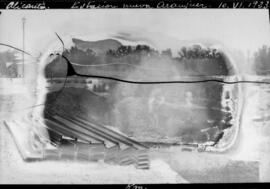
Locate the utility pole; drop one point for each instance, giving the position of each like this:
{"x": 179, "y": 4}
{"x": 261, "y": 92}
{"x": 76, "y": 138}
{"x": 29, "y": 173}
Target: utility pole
{"x": 23, "y": 24}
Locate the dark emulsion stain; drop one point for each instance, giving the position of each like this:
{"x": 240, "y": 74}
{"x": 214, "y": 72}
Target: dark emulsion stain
{"x": 192, "y": 112}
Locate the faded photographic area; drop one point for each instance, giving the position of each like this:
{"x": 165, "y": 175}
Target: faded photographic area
{"x": 134, "y": 96}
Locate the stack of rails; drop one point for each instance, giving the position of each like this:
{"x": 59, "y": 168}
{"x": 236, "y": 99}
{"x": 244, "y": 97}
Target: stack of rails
{"x": 83, "y": 139}
{"x": 89, "y": 130}
{"x": 117, "y": 148}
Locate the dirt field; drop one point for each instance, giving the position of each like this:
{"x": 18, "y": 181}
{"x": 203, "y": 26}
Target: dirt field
{"x": 14, "y": 170}
{"x": 250, "y": 164}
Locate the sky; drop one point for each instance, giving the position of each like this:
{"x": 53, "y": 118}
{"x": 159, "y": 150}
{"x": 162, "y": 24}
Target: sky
{"x": 240, "y": 29}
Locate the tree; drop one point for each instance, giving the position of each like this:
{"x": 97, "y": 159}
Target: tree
{"x": 262, "y": 61}
{"x": 3, "y": 67}
{"x": 5, "y": 57}
{"x": 183, "y": 52}
{"x": 167, "y": 52}
{"x": 12, "y": 70}
{"x": 138, "y": 48}
{"x": 214, "y": 52}
{"x": 197, "y": 51}
{"x": 122, "y": 51}
{"x": 190, "y": 53}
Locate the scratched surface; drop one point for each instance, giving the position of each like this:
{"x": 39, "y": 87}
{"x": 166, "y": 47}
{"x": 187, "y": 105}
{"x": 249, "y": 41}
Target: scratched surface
{"x": 249, "y": 162}
{"x": 212, "y": 167}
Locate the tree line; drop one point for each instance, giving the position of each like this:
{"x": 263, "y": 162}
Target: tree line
{"x": 193, "y": 52}
{"x": 190, "y": 57}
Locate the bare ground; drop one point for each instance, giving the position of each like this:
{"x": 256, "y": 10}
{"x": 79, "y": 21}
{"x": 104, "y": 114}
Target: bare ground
{"x": 167, "y": 165}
